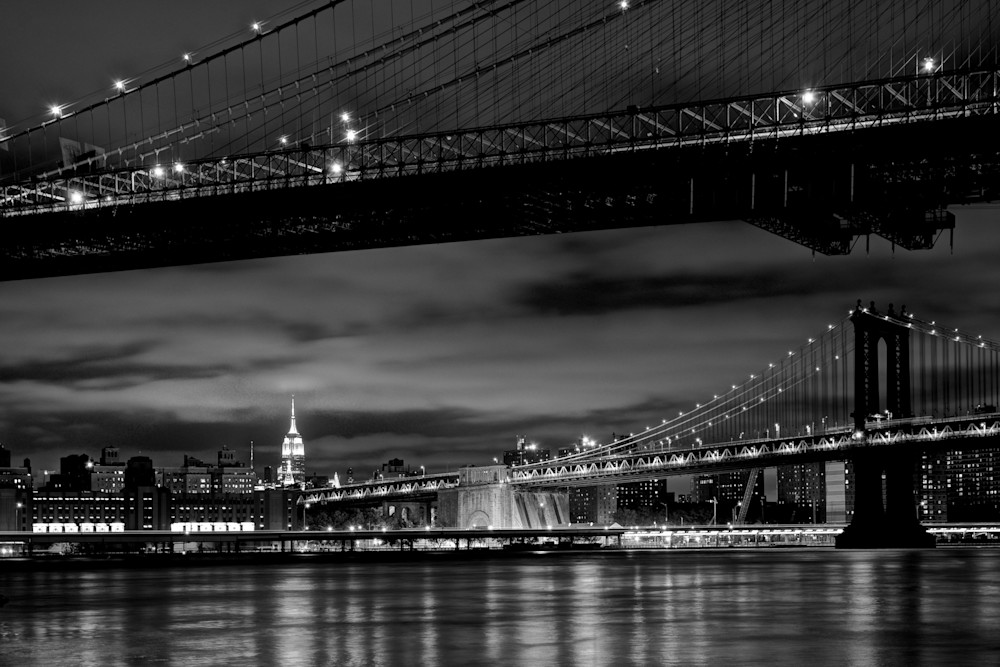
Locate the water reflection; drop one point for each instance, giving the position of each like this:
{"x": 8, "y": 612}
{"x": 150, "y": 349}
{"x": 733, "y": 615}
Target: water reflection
{"x": 775, "y": 607}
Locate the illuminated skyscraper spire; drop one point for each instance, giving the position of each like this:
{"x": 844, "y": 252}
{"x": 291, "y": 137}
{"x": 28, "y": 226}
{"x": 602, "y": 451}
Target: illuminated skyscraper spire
{"x": 293, "y": 456}
{"x": 293, "y": 430}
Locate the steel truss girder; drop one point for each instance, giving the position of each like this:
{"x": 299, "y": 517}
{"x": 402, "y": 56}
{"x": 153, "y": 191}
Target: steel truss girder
{"x": 394, "y": 488}
{"x": 916, "y": 433}
{"x": 846, "y": 107}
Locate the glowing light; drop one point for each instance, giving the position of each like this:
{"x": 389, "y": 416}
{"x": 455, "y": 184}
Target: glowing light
{"x": 158, "y": 171}
{"x": 345, "y": 117}
{"x": 929, "y": 65}
{"x": 120, "y": 86}
{"x": 187, "y": 58}
{"x": 808, "y": 97}
{"x": 283, "y": 140}
{"x": 179, "y": 168}
{"x": 56, "y": 110}
{"x": 76, "y": 197}
{"x": 623, "y": 5}
{"x": 336, "y": 169}
{"x": 352, "y": 135}
{"x": 255, "y": 26}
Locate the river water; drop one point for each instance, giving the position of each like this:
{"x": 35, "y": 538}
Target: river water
{"x": 719, "y": 607}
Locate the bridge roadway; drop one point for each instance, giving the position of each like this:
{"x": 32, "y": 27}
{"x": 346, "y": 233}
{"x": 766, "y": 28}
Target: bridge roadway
{"x": 397, "y": 488}
{"x": 885, "y": 169}
{"x": 921, "y": 433}
{"x": 981, "y": 430}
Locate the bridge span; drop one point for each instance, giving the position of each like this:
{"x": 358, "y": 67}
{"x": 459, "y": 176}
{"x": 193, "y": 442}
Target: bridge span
{"x": 832, "y": 399}
{"x": 334, "y": 131}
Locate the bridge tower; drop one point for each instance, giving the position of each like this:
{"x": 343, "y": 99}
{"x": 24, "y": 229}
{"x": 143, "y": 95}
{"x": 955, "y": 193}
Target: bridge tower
{"x": 882, "y": 519}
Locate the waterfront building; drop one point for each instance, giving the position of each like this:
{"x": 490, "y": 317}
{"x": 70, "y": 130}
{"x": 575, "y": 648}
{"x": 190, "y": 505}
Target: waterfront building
{"x": 582, "y": 445}
{"x": 593, "y": 504}
{"x": 196, "y": 477}
{"x": 971, "y": 485}
{"x": 802, "y": 492}
{"x": 16, "y": 478}
{"x": 727, "y": 488}
{"x": 647, "y": 498}
{"x": 108, "y": 476}
{"x": 838, "y": 478}
{"x": 525, "y": 453}
{"x": 14, "y": 504}
{"x": 932, "y": 487}
{"x": 147, "y": 506}
{"x": 79, "y": 509}
{"x": 293, "y": 456}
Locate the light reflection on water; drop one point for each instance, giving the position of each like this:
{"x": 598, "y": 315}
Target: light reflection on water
{"x": 726, "y": 607}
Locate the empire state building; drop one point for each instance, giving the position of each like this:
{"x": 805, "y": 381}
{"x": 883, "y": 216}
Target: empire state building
{"x": 293, "y": 456}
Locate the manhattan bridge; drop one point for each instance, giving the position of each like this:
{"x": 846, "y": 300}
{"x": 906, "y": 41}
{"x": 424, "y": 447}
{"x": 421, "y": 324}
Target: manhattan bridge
{"x": 357, "y": 125}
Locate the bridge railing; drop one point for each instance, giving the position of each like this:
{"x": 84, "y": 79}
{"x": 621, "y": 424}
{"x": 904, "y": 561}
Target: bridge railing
{"x": 382, "y": 488}
{"x": 909, "y": 99}
{"x": 741, "y": 454}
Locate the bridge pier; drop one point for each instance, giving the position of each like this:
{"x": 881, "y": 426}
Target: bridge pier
{"x": 883, "y": 518}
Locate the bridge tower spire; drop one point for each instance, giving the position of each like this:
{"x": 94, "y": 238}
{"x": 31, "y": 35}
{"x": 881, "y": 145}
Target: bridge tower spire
{"x": 882, "y": 517}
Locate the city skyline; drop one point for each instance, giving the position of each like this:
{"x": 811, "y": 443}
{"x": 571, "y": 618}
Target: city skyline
{"x": 439, "y": 354}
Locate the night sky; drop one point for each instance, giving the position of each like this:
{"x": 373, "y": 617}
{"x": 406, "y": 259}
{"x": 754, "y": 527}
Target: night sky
{"x": 439, "y": 355}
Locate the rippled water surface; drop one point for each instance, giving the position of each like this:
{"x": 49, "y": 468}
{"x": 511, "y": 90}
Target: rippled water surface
{"x": 771, "y": 607}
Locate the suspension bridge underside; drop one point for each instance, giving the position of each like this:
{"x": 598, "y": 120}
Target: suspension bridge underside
{"x": 821, "y": 190}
